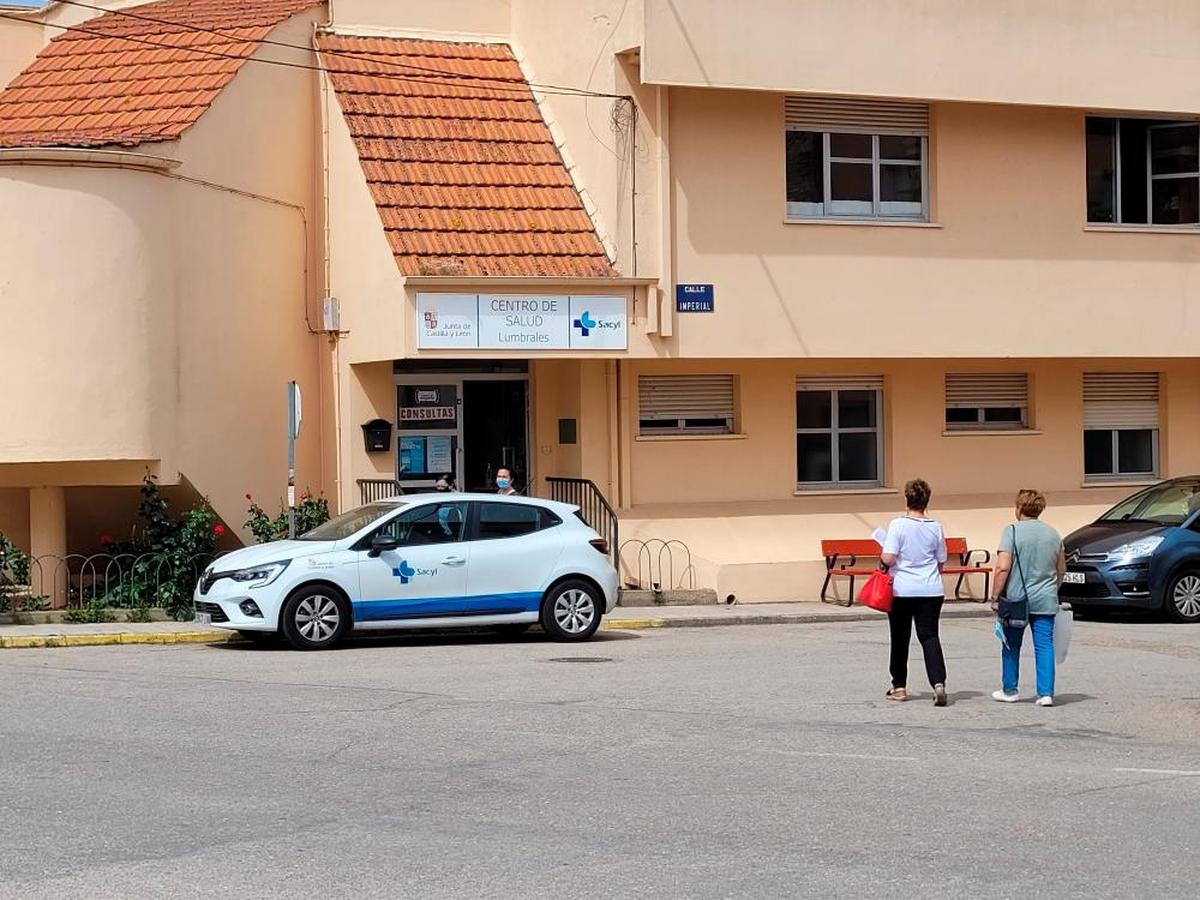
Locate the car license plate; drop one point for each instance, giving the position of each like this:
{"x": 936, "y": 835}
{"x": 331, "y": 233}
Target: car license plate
{"x": 203, "y": 618}
{"x": 1074, "y": 578}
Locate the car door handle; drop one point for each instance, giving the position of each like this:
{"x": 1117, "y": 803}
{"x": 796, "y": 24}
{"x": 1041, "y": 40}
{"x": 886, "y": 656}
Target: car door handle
{"x": 454, "y": 561}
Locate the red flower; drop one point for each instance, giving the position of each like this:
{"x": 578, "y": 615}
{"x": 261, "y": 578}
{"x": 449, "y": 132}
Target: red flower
{"x": 219, "y": 530}
{"x": 304, "y": 496}
{"x": 248, "y": 497}
{"x": 105, "y": 540}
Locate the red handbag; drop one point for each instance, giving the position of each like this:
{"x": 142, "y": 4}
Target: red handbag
{"x": 877, "y": 592}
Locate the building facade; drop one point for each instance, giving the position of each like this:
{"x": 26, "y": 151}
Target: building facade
{"x": 746, "y": 267}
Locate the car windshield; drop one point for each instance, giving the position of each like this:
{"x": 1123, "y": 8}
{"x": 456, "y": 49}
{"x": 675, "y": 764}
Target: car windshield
{"x": 1165, "y": 504}
{"x": 348, "y": 523}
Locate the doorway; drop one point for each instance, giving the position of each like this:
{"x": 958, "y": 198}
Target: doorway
{"x": 464, "y": 425}
{"x": 494, "y": 426}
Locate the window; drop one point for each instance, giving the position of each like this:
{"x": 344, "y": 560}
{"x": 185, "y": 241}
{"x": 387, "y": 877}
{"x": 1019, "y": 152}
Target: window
{"x": 505, "y": 520}
{"x": 856, "y": 159}
{"x": 438, "y": 523}
{"x": 987, "y": 401}
{"x": 1120, "y": 425}
{"x": 838, "y": 438}
{"x": 1143, "y": 171}
{"x": 685, "y": 404}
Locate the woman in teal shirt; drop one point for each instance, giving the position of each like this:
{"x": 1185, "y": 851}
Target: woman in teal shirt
{"x": 1030, "y": 566}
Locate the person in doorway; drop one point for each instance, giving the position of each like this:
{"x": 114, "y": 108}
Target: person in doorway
{"x": 504, "y": 482}
{"x": 1030, "y": 567}
{"x": 445, "y": 484}
{"x": 914, "y": 552}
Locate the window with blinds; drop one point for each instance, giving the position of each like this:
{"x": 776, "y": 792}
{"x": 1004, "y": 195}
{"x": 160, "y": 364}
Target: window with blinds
{"x": 685, "y": 404}
{"x": 1120, "y": 424}
{"x": 987, "y": 400}
{"x": 856, "y": 158}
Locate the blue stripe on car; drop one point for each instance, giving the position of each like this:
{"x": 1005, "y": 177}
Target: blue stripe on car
{"x": 429, "y": 607}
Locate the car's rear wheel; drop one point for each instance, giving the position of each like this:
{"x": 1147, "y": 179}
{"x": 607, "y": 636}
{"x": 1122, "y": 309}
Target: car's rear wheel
{"x": 571, "y": 611}
{"x": 1183, "y": 597}
{"x": 315, "y": 618}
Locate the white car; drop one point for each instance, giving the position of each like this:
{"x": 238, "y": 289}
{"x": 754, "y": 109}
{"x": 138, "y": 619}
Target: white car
{"x": 418, "y": 561}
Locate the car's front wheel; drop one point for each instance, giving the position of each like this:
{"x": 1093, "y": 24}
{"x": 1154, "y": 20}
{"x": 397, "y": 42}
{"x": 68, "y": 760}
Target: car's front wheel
{"x": 1183, "y": 597}
{"x": 314, "y": 618}
{"x": 571, "y": 611}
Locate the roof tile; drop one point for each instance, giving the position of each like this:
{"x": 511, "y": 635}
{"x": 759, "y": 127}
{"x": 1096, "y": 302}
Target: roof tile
{"x": 79, "y": 89}
{"x": 464, "y": 172}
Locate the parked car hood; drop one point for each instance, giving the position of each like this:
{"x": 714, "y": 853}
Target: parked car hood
{"x": 275, "y": 551}
{"x": 1102, "y": 537}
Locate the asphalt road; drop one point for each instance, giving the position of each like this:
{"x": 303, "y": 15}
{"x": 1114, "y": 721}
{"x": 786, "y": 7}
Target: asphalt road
{"x": 727, "y": 762}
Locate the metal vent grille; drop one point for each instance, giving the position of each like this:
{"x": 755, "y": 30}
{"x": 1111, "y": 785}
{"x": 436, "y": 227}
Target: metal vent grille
{"x": 856, "y": 116}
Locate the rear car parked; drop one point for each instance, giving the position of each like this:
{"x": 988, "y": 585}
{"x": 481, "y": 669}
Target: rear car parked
{"x": 1144, "y": 553}
{"x": 418, "y": 561}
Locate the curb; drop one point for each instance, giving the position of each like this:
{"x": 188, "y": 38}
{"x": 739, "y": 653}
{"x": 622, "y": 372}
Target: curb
{"x": 773, "y": 619}
{"x": 38, "y": 641}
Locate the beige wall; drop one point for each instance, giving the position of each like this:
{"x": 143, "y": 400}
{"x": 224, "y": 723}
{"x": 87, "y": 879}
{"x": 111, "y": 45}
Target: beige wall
{"x": 1009, "y": 268}
{"x": 1099, "y": 53}
{"x": 760, "y": 464}
{"x": 167, "y": 338}
{"x": 19, "y": 44}
{"x": 445, "y": 16}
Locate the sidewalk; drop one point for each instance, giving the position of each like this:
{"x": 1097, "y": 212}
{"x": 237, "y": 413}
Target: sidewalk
{"x": 622, "y": 619}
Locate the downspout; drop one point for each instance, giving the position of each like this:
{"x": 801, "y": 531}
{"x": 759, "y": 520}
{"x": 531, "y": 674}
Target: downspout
{"x": 327, "y": 256}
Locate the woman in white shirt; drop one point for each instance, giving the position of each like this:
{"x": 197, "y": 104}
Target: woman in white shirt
{"x": 914, "y": 552}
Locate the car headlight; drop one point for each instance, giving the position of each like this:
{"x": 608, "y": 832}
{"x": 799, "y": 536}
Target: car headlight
{"x": 1142, "y": 548}
{"x": 257, "y": 576}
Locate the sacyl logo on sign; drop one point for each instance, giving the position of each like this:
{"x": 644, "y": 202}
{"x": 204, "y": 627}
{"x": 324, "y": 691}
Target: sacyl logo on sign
{"x": 407, "y": 573}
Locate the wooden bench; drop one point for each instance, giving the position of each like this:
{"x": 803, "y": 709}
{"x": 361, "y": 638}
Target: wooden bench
{"x": 842, "y": 559}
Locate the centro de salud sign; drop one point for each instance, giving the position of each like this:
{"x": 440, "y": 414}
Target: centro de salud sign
{"x": 522, "y": 321}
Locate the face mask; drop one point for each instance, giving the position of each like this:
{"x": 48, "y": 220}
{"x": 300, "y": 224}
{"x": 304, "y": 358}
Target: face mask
{"x": 502, "y": 483}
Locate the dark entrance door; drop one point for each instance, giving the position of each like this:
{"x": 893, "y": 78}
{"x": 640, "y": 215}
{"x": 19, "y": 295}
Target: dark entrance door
{"x": 494, "y": 433}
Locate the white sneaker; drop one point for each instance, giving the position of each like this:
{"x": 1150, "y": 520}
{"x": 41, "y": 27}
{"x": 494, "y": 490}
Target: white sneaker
{"x": 1044, "y": 701}
{"x": 1005, "y": 698}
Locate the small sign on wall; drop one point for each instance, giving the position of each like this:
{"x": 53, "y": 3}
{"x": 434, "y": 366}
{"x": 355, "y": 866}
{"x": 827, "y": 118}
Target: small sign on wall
{"x": 690, "y": 298}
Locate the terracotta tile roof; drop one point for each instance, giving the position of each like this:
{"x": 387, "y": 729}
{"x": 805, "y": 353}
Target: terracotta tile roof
{"x": 110, "y": 85}
{"x": 463, "y": 169}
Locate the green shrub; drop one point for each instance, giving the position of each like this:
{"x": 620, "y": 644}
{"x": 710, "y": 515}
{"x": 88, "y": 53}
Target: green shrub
{"x": 138, "y": 614}
{"x": 35, "y": 604}
{"x": 14, "y": 564}
{"x": 5, "y": 603}
{"x": 311, "y": 511}
{"x": 90, "y": 614}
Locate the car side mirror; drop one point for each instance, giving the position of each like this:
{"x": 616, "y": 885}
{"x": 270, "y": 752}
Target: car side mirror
{"x": 381, "y": 543}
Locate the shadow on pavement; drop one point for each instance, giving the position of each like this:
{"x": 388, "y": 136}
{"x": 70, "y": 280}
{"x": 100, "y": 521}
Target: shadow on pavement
{"x": 429, "y": 639}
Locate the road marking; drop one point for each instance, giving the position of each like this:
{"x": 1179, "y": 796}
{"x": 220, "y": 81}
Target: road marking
{"x": 866, "y": 756}
{"x": 1159, "y": 771}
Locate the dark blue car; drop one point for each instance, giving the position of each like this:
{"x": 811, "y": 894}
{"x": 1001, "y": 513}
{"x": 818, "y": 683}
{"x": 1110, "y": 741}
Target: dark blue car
{"x": 1144, "y": 553}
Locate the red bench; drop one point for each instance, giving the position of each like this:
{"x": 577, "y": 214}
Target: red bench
{"x": 842, "y": 559}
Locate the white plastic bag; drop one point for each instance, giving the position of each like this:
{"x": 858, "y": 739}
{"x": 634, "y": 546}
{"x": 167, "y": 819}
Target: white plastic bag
{"x": 1062, "y": 633}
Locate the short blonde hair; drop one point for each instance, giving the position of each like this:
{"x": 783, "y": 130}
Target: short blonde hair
{"x": 1031, "y": 503}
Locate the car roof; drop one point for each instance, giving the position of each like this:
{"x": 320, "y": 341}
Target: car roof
{"x": 443, "y": 496}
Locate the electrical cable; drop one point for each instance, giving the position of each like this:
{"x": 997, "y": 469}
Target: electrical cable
{"x": 516, "y": 84}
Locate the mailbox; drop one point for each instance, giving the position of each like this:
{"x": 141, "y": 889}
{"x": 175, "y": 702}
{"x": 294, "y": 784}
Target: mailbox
{"x": 377, "y": 435}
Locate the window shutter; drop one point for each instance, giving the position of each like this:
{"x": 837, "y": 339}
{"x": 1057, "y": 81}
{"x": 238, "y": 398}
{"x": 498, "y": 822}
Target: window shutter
{"x": 840, "y": 383}
{"x": 1120, "y": 400}
{"x": 840, "y": 114}
{"x": 974, "y": 390}
{"x": 685, "y": 396}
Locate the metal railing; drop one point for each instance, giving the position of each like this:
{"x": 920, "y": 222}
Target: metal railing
{"x": 372, "y": 489}
{"x": 117, "y": 580}
{"x": 594, "y": 507}
{"x": 657, "y": 565}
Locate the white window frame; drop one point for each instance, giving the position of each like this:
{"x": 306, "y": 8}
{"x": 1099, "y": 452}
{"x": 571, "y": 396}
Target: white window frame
{"x": 1148, "y": 161}
{"x": 835, "y": 431}
{"x": 1121, "y": 403}
{"x": 1117, "y": 473}
{"x": 826, "y": 210}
